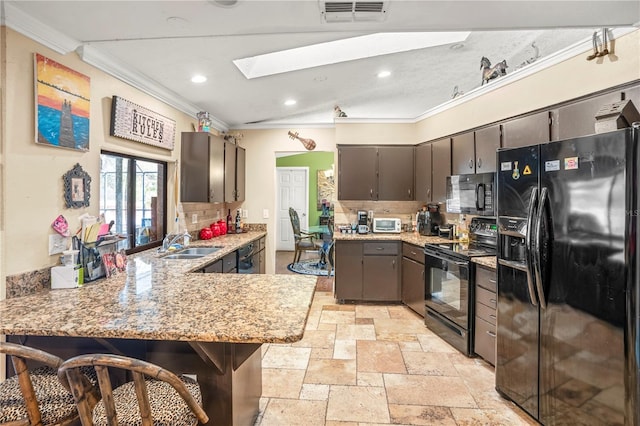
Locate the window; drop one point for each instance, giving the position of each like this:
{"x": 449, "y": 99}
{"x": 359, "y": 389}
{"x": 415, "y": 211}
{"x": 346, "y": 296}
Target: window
{"x": 133, "y": 195}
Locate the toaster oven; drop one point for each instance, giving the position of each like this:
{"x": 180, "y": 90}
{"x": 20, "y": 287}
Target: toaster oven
{"x": 385, "y": 224}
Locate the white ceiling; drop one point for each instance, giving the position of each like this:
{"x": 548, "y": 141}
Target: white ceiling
{"x": 159, "y": 45}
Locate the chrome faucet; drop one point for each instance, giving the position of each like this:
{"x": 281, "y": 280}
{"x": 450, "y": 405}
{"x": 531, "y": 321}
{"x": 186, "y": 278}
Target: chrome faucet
{"x": 171, "y": 239}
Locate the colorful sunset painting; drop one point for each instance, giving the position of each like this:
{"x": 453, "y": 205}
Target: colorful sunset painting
{"x": 63, "y": 105}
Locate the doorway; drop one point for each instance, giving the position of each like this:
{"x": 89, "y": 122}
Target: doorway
{"x": 293, "y": 191}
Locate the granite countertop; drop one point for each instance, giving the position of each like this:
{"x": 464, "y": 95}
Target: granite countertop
{"x": 487, "y": 261}
{"x": 407, "y": 237}
{"x": 161, "y": 299}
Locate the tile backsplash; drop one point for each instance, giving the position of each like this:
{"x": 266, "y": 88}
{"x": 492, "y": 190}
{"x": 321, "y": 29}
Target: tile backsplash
{"x": 346, "y": 211}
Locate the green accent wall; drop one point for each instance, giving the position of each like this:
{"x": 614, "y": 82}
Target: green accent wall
{"x": 314, "y": 161}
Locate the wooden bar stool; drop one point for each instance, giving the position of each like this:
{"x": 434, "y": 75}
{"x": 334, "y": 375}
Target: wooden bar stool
{"x": 162, "y": 397}
{"x": 36, "y": 397}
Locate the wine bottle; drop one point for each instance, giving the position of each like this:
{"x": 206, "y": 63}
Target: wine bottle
{"x": 238, "y": 219}
{"x": 230, "y": 228}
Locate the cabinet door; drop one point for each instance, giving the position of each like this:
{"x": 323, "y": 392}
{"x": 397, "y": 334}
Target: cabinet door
{"x": 357, "y": 173}
{"x": 194, "y": 167}
{"x": 381, "y": 278}
{"x": 423, "y": 173}
{"x": 487, "y": 143}
{"x": 579, "y": 118}
{"x": 395, "y": 173}
{"x": 529, "y": 130}
{"x": 413, "y": 285}
{"x": 216, "y": 170}
{"x": 463, "y": 154}
{"x": 240, "y": 173}
{"x": 229, "y": 172}
{"x": 441, "y": 161}
{"x": 348, "y": 265}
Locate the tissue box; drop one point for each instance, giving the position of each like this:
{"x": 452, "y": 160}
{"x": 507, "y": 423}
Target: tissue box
{"x": 66, "y": 276}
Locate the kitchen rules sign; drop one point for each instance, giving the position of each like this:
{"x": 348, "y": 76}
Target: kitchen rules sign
{"x": 136, "y": 123}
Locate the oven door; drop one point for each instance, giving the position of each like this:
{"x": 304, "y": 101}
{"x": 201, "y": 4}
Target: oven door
{"x": 447, "y": 286}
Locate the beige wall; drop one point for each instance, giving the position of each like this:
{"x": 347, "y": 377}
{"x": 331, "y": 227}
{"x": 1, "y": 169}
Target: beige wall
{"x": 569, "y": 79}
{"x": 32, "y": 174}
{"x": 33, "y": 189}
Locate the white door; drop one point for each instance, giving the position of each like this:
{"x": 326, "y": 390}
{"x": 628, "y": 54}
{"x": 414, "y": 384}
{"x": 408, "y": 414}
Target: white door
{"x": 293, "y": 191}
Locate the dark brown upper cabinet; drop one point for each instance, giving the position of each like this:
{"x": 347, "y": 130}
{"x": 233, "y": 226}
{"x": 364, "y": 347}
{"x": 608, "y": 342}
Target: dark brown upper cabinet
{"x": 579, "y": 118}
{"x": 375, "y": 172}
{"x": 201, "y": 168}
{"x": 529, "y": 130}
{"x": 441, "y": 168}
{"x": 234, "y": 170}
{"x": 357, "y": 173}
{"x": 395, "y": 173}
{"x": 488, "y": 140}
{"x": 423, "y": 173}
{"x": 463, "y": 154}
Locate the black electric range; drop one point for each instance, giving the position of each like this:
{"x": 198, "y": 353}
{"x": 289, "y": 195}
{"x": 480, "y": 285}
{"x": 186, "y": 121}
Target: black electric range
{"x": 450, "y": 282}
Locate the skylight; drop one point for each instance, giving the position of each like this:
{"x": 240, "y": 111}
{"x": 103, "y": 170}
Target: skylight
{"x": 344, "y": 50}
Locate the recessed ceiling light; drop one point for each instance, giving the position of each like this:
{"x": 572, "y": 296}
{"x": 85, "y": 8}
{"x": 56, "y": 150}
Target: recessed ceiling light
{"x": 198, "y": 79}
{"x": 456, "y": 46}
{"x": 290, "y": 102}
{"x": 383, "y": 74}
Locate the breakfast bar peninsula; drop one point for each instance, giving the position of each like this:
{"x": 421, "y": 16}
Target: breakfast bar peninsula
{"x": 210, "y": 325}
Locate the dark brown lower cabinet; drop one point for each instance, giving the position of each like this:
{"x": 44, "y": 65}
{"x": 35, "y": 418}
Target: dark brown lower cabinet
{"x": 413, "y": 277}
{"x": 367, "y": 271}
{"x": 485, "y": 315}
{"x": 228, "y": 264}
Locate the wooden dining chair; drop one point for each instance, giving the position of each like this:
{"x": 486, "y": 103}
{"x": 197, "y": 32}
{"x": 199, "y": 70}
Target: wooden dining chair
{"x": 35, "y": 396}
{"x": 303, "y": 240}
{"x": 155, "y": 396}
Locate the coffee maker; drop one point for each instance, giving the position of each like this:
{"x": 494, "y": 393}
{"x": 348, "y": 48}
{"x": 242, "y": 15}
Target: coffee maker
{"x": 429, "y": 220}
{"x": 363, "y": 222}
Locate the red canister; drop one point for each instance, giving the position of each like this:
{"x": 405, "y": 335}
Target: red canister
{"x": 223, "y": 227}
{"x": 215, "y": 229}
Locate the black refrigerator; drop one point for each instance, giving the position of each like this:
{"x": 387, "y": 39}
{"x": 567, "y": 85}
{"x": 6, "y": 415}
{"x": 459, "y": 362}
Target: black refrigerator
{"x": 567, "y": 316}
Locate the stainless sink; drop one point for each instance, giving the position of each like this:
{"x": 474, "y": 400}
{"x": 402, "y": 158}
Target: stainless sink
{"x": 203, "y": 251}
{"x": 184, "y": 256}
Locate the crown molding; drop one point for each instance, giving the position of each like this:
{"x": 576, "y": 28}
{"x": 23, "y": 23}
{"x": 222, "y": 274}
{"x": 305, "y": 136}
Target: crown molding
{"x": 143, "y": 83}
{"x": 562, "y": 55}
{"x": 19, "y": 21}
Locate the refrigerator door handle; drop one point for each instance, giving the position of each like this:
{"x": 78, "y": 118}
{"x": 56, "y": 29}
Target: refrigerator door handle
{"x": 537, "y": 247}
{"x": 528, "y": 255}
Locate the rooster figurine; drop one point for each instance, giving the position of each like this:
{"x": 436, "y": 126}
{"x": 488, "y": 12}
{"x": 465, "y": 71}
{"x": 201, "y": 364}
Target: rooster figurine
{"x": 338, "y": 112}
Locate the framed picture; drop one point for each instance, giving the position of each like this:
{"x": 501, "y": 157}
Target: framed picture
{"x": 137, "y": 123}
{"x": 326, "y": 188}
{"x": 63, "y": 100}
{"x": 77, "y": 187}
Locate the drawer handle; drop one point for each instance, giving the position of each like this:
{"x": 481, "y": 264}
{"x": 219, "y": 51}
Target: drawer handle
{"x": 492, "y": 281}
{"x": 413, "y": 253}
{"x": 379, "y": 248}
{"x": 491, "y": 333}
{"x": 492, "y": 316}
{"x": 492, "y": 300}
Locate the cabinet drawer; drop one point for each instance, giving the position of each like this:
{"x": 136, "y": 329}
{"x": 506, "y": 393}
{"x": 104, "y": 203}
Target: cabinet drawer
{"x": 381, "y": 248}
{"x": 484, "y": 343}
{"x": 486, "y": 313}
{"x": 413, "y": 252}
{"x": 486, "y": 278}
{"x": 486, "y": 297}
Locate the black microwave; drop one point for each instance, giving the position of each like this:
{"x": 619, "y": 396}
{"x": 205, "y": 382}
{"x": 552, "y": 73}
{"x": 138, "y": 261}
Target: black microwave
{"x": 471, "y": 194}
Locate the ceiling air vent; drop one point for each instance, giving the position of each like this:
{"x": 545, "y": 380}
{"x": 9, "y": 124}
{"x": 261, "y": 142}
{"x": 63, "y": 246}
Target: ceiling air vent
{"x": 353, "y": 11}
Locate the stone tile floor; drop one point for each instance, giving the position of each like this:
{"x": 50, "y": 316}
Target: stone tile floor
{"x": 376, "y": 364}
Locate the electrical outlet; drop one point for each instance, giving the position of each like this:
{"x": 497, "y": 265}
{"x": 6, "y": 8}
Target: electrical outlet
{"x": 194, "y": 218}
{"x": 265, "y": 213}
{"x": 245, "y": 213}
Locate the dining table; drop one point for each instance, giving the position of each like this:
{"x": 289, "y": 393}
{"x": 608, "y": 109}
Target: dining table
{"x": 210, "y": 325}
